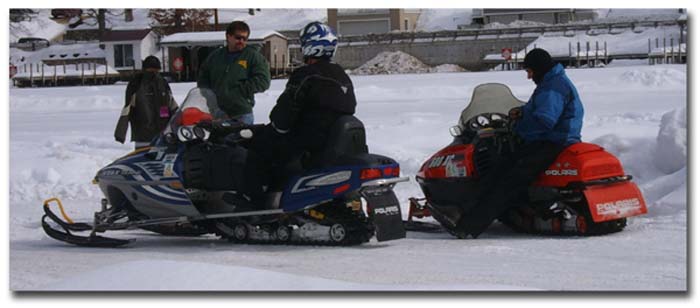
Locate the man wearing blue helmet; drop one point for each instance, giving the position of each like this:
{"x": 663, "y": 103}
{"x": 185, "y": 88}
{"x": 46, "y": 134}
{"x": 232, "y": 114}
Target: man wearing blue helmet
{"x": 315, "y": 96}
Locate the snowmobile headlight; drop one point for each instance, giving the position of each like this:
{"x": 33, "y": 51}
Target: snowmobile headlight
{"x": 496, "y": 117}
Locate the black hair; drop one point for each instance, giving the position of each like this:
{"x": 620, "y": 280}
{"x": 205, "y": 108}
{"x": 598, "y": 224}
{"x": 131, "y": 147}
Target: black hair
{"x": 237, "y": 26}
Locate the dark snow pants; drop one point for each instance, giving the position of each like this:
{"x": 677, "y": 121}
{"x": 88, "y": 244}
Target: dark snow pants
{"x": 509, "y": 183}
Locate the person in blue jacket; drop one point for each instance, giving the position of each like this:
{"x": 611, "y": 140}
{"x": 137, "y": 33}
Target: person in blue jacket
{"x": 549, "y": 122}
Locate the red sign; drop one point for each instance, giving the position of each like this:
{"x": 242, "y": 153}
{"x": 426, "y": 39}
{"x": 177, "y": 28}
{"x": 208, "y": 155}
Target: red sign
{"x": 506, "y": 53}
{"x": 13, "y": 70}
{"x": 178, "y": 64}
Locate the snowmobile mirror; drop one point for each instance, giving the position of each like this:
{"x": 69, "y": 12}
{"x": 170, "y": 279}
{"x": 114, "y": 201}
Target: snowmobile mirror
{"x": 246, "y": 133}
{"x": 456, "y": 131}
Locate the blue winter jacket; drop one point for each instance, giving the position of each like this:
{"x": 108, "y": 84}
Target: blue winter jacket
{"x": 554, "y": 112}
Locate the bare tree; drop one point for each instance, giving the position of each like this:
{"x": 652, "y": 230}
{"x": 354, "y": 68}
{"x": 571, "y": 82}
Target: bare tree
{"x": 182, "y": 20}
{"x": 19, "y": 15}
{"x": 96, "y": 17}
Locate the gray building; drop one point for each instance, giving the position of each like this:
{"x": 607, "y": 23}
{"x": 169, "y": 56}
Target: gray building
{"x": 366, "y": 21}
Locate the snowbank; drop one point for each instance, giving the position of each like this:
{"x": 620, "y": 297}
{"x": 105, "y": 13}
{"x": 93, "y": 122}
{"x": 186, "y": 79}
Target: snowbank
{"x": 654, "y": 78}
{"x": 671, "y": 150}
{"x": 397, "y": 62}
{"x": 447, "y": 68}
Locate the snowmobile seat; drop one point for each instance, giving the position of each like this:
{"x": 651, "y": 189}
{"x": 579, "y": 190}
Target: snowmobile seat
{"x": 347, "y": 137}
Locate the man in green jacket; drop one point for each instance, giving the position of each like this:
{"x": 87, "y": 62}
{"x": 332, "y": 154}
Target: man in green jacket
{"x": 235, "y": 73}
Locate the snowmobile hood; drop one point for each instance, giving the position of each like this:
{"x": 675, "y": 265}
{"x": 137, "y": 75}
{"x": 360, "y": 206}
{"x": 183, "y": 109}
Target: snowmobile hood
{"x": 489, "y": 98}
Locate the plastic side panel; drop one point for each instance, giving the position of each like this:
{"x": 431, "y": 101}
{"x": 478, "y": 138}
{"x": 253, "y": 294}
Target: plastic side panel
{"x": 609, "y": 202}
{"x": 580, "y": 162}
{"x": 451, "y": 162}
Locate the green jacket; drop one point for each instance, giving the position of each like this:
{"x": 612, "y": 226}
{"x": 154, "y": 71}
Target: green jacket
{"x": 235, "y": 82}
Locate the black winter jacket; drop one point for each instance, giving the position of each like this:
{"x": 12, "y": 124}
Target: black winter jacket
{"x": 316, "y": 95}
{"x": 147, "y": 94}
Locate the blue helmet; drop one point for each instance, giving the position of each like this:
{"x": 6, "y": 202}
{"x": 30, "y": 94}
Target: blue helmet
{"x": 318, "y": 40}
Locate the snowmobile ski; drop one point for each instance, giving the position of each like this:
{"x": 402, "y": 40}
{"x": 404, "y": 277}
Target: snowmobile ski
{"x": 66, "y": 236}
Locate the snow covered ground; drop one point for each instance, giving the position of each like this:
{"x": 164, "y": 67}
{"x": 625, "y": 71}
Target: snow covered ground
{"x": 59, "y": 138}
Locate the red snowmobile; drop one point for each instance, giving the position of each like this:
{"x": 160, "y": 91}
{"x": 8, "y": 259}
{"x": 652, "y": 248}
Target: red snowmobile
{"x": 584, "y": 192}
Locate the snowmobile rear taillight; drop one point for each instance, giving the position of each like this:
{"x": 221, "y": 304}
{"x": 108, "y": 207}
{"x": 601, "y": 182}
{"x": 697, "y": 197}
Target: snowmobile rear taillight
{"x": 368, "y": 174}
{"x": 392, "y": 171}
{"x": 375, "y": 173}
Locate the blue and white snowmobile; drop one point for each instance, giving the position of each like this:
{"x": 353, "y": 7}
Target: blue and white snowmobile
{"x": 189, "y": 182}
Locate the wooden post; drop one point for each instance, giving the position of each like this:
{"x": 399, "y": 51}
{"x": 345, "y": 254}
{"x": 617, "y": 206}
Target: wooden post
{"x": 596, "y": 54}
{"x": 673, "y": 59}
{"x": 43, "y": 81}
{"x": 55, "y": 76}
{"x": 605, "y": 45}
{"x": 588, "y": 48}
{"x": 578, "y": 53}
{"x": 664, "y": 53}
{"x": 31, "y": 72}
{"x": 651, "y": 57}
{"x": 82, "y": 74}
{"x": 106, "y": 76}
{"x": 94, "y": 73}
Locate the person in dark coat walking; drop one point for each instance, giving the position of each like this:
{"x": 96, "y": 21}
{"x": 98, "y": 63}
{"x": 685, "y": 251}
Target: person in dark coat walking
{"x": 549, "y": 122}
{"x": 148, "y": 105}
{"x": 315, "y": 96}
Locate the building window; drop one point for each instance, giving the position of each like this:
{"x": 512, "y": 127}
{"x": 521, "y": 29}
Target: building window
{"x": 123, "y": 55}
{"x": 405, "y": 24}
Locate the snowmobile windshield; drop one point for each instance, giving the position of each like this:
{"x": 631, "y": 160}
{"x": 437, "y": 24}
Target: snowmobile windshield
{"x": 489, "y": 98}
{"x": 199, "y": 105}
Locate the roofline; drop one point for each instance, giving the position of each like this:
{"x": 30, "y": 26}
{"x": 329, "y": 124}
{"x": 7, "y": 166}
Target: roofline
{"x": 212, "y": 42}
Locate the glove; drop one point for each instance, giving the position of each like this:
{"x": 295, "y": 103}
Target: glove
{"x": 515, "y": 113}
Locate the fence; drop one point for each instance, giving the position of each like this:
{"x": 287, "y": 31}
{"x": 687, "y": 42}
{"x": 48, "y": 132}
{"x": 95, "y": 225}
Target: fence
{"x": 41, "y": 74}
